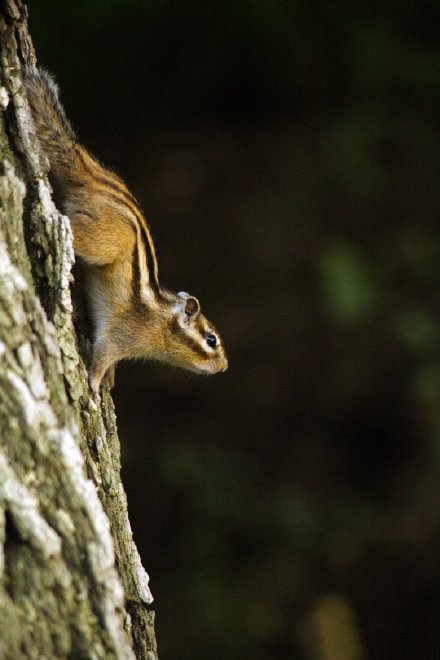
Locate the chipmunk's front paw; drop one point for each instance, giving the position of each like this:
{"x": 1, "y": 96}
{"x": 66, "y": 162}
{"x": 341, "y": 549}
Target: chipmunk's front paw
{"x": 101, "y": 367}
{"x": 109, "y": 377}
{"x": 94, "y": 384}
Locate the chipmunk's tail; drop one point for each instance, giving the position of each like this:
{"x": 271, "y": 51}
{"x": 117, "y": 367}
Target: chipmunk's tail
{"x": 54, "y": 131}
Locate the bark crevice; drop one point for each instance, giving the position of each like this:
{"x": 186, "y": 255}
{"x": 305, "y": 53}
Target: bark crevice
{"x": 71, "y": 580}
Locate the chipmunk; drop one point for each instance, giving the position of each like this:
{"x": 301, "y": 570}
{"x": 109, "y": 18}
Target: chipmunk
{"x": 132, "y": 315}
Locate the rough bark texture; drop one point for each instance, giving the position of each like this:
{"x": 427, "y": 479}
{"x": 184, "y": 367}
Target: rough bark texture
{"x": 71, "y": 581}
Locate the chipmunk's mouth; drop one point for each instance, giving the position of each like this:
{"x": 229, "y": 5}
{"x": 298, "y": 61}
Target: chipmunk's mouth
{"x": 210, "y": 368}
{"x": 217, "y": 368}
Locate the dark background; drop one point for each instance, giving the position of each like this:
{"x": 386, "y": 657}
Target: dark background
{"x": 287, "y": 157}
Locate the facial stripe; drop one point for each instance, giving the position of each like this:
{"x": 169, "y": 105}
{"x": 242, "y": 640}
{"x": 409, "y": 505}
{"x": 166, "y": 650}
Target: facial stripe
{"x": 186, "y": 339}
{"x": 204, "y": 331}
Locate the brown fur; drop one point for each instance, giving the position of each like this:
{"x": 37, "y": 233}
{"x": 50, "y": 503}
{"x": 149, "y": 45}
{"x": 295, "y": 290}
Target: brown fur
{"x": 133, "y": 317}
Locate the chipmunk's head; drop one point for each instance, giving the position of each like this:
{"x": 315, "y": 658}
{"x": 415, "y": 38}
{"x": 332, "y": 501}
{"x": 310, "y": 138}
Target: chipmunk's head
{"x": 192, "y": 342}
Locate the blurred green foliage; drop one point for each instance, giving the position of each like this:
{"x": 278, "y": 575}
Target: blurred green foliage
{"x": 348, "y": 285}
{"x": 287, "y": 154}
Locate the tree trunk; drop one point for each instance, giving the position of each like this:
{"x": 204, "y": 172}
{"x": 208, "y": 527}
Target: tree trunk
{"x": 71, "y": 580}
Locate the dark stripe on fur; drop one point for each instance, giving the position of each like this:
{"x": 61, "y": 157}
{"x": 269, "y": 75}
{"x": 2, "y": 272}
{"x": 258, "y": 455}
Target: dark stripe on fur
{"x": 69, "y": 160}
{"x": 106, "y": 178}
{"x": 149, "y": 254}
{"x": 136, "y": 277}
{"x": 185, "y": 339}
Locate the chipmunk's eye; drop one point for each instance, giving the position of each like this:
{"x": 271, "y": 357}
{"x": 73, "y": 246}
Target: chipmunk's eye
{"x": 211, "y": 340}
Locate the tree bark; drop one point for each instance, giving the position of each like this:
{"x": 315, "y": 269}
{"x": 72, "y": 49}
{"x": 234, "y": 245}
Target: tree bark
{"x": 71, "y": 580}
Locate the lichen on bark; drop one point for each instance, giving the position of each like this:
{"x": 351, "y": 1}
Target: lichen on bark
{"x": 71, "y": 580}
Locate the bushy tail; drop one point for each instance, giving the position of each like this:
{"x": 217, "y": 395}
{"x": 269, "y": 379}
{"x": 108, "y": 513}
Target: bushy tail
{"x": 53, "y": 128}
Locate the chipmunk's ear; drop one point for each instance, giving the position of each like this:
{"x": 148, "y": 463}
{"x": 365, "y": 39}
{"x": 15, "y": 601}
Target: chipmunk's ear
{"x": 191, "y": 307}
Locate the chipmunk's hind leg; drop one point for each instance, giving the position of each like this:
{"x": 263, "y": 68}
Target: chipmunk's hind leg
{"x": 101, "y": 366}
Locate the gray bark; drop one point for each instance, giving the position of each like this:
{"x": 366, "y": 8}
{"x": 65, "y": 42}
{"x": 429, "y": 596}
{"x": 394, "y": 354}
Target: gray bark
{"x": 71, "y": 580}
